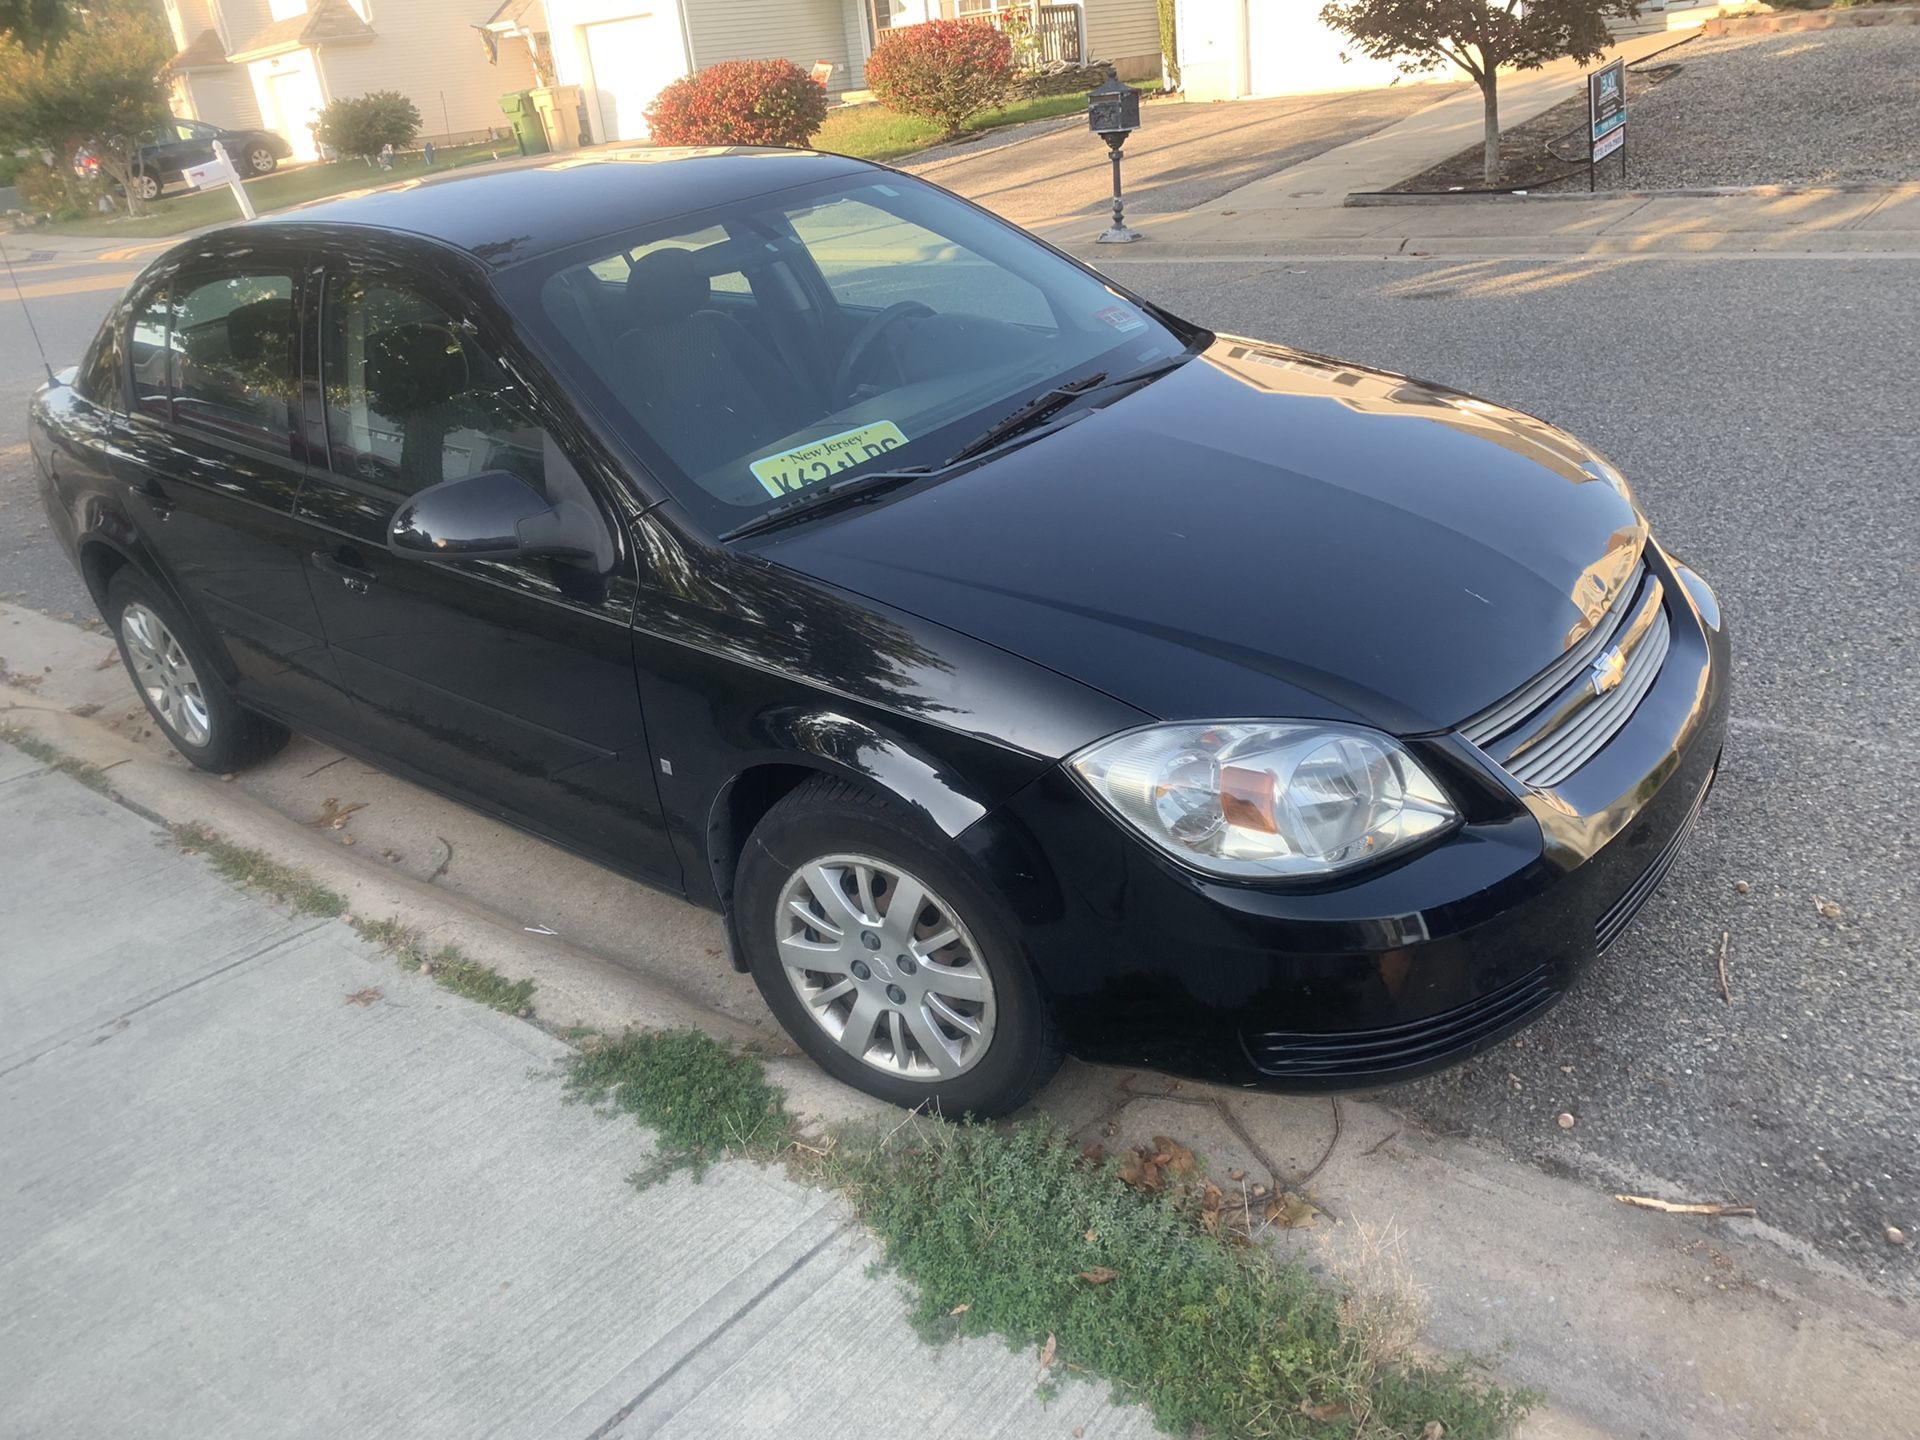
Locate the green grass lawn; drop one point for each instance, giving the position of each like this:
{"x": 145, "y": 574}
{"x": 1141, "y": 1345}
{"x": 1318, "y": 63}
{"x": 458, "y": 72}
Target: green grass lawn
{"x": 873, "y": 132}
{"x": 182, "y": 210}
{"x": 868, "y": 132}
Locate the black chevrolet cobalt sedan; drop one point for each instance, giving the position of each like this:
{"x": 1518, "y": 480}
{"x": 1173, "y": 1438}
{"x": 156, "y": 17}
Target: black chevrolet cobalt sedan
{"x": 1018, "y": 668}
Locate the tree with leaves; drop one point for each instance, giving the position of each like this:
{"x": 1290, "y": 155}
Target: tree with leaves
{"x": 1480, "y": 37}
{"x": 34, "y": 23}
{"x": 99, "y": 86}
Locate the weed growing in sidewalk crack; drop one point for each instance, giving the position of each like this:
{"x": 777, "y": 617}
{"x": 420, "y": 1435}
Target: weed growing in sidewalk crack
{"x": 701, "y": 1099}
{"x": 28, "y": 743}
{"x": 256, "y": 870}
{"x": 450, "y": 969}
{"x": 1014, "y": 1232}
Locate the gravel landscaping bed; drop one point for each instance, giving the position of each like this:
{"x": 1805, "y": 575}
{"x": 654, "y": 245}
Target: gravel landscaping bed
{"x": 1800, "y": 108}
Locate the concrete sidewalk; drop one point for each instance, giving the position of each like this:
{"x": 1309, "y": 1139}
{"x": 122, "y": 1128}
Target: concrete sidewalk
{"x": 1302, "y": 210}
{"x": 262, "y": 1183}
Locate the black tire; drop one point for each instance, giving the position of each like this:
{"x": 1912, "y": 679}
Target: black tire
{"x": 827, "y": 817}
{"x": 235, "y": 738}
{"x": 261, "y": 160}
{"x": 147, "y": 187}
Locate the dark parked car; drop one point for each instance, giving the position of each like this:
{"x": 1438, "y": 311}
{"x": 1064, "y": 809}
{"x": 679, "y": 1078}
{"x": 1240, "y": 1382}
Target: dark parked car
{"x": 166, "y": 153}
{"x": 1017, "y": 667}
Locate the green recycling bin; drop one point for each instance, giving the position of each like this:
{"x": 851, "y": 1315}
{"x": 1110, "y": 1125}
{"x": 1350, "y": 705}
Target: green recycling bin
{"x": 525, "y": 120}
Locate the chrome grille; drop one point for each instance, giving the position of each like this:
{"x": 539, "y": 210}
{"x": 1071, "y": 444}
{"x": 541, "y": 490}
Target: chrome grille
{"x": 1547, "y": 729}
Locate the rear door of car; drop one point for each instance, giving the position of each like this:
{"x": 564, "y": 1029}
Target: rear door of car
{"x": 211, "y": 455}
{"x": 508, "y": 683}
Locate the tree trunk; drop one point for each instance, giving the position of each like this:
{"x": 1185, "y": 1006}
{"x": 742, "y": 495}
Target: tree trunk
{"x": 1490, "y": 97}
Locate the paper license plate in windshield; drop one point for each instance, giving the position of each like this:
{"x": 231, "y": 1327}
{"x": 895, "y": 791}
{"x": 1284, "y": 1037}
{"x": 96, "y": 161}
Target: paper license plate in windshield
{"x": 821, "y": 459}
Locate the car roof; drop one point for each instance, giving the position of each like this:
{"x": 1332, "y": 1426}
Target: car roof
{"x": 502, "y": 214}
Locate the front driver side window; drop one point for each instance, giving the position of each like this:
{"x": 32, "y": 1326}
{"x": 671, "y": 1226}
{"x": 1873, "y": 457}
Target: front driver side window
{"x": 412, "y": 400}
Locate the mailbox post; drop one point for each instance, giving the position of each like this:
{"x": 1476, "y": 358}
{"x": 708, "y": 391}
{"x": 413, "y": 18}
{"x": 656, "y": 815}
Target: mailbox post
{"x": 1113, "y": 113}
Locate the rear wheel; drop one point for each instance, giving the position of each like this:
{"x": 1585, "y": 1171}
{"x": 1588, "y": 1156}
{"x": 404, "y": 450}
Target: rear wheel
{"x": 262, "y": 160}
{"x": 886, "y": 960}
{"x": 180, "y": 688}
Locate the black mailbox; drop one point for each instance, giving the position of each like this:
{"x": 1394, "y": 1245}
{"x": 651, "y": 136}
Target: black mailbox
{"x": 1113, "y": 108}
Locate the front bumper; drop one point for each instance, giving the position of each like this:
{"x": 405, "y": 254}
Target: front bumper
{"x": 1390, "y": 974}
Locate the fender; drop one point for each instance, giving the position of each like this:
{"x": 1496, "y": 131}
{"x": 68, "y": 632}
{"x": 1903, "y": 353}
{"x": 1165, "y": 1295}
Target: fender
{"x": 796, "y": 740}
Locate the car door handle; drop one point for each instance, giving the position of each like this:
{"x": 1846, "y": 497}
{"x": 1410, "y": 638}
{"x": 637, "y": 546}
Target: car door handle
{"x": 356, "y": 578}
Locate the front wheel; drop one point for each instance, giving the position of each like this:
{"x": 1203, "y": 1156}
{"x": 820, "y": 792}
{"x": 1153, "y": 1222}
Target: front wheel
{"x": 146, "y": 187}
{"x": 262, "y": 160}
{"x": 888, "y": 962}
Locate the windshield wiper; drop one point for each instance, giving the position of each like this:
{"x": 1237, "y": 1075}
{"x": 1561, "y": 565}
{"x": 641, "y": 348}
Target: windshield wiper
{"x": 816, "y": 499}
{"x": 1028, "y": 416}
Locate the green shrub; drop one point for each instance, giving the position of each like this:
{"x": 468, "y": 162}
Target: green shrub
{"x": 740, "y": 102}
{"x": 366, "y": 125}
{"x": 946, "y": 71}
{"x": 46, "y": 191}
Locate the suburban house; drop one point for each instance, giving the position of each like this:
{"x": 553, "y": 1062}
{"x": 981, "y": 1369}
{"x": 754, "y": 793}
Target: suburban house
{"x": 276, "y": 63}
{"x": 622, "y": 52}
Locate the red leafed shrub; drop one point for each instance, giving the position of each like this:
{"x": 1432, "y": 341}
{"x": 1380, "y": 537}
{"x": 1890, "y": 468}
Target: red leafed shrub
{"x": 740, "y": 102}
{"x": 946, "y": 71}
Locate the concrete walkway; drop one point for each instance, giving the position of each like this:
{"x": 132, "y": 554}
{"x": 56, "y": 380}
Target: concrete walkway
{"x": 261, "y": 1183}
{"x": 1301, "y": 209}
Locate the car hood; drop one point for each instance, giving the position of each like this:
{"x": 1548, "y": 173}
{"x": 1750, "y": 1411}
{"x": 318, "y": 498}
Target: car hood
{"x": 1261, "y": 533}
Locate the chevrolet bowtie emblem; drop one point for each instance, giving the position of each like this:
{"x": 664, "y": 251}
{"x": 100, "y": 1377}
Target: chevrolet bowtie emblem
{"x": 1608, "y": 671}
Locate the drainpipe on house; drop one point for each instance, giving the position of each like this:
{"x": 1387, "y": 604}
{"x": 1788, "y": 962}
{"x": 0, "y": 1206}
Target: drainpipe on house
{"x": 686, "y": 37}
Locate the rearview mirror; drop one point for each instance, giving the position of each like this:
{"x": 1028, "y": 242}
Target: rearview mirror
{"x": 491, "y": 516}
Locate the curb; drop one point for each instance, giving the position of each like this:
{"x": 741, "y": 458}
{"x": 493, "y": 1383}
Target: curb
{"x": 1360, "y": 199}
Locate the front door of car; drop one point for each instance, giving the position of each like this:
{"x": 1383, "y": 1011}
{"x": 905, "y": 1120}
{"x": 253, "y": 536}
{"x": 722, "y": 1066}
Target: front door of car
{"x": 192, "y": 144}
{"x": 510, "y": 683}
{"x": 211, "y": 456}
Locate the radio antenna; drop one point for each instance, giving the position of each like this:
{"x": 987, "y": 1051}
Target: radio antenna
{"x": 21, "y": 296}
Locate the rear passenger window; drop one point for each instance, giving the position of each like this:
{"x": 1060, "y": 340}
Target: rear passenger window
{"x": 412, "y": 399}
{"x": 230, "y": 358}
{"x": 100, "y": 378}
{"x": 147, "y": 347}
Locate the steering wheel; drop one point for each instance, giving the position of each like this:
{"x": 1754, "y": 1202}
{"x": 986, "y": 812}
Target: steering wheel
{"x": 842, "y": 392}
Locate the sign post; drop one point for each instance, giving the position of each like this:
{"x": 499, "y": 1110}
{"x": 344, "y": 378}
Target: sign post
{"x": 1607, "y": 117}
{"x": 220, "y": 171}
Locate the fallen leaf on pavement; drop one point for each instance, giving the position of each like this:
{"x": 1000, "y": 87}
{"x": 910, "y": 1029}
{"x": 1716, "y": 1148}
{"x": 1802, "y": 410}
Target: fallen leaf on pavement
{"x": 333, "y": 814}
{"x": 1047, "y": 1353}
{"x": 1099, "y": 1275}
{"x": 364, "y": 997}
{"x": 1094, "y": 1153}
{"x": 1291, "y": 1211}
{"x": 1828, "y": 910}
{"x": 1178, "y": 1157}
{"x": 1140, "y": 1170}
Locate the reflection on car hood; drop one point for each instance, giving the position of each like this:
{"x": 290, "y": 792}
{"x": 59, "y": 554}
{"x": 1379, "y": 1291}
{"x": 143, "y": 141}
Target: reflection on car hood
{"x": 1261, "y": 533}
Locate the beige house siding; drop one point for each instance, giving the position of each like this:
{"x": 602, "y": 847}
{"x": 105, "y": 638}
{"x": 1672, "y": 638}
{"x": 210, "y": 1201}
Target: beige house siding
{"x": 802, "y": 31}
{"x": 1126, "y": 35}
{"x": 429, "y": 53}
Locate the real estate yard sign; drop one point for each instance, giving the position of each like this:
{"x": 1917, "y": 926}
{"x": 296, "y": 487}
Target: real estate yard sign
{"x": 1607, "y": 116}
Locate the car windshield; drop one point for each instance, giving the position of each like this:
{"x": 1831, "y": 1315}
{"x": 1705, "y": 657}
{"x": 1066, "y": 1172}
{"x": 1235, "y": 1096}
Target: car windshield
{"x": 819, "y": 333}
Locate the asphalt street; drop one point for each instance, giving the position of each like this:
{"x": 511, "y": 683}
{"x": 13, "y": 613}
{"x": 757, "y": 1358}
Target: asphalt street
{"x": 1765, "y": 412}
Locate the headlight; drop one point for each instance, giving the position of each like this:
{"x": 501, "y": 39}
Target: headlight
{"x": 1266, "y": 799}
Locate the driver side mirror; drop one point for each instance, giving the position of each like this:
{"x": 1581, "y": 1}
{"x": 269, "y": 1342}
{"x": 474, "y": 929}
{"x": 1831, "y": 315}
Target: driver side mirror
{"x": 491, "y": 516}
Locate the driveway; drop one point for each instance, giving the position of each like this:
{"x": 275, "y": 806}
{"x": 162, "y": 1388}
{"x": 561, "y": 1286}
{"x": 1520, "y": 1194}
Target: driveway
{"x": 1183, "y": 155}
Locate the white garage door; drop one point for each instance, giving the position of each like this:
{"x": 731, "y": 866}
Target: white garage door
{"x": 1289, "y": 52}
{"x": 631, "y": 59}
